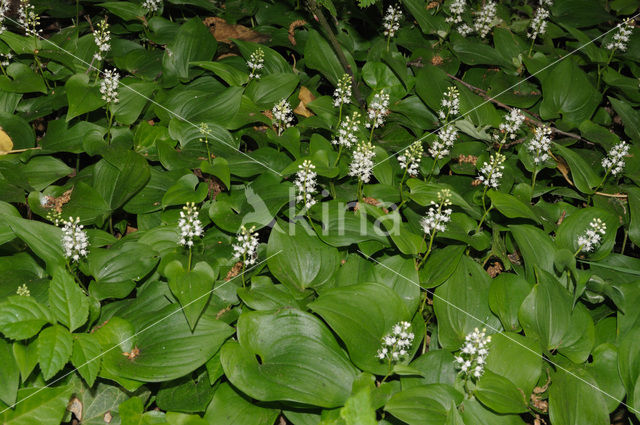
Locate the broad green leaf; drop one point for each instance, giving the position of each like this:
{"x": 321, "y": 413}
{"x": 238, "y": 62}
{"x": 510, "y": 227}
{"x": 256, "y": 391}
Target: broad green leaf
{"x": 119, "y": 175}
{"x": 500, "y": 394}
{"x": 193, "y": 42}
{"x": 186, "y": 394}
{"x": 574, "y": 399}
{"x": 192, "y": 287}
{"x": 45, "y": 240}
{"x": 68, "y": 303}
{"x": 583, "y": 174}
{"x": 271, "y": 89}
{"x": 630, "y": 117}
{"x": 441, "y": 264}
{"x": 124, "y": 9}
{"x": 186, "y": 189}
{"x": 506, "y": 294}
{"x": 42, "y": 406}
{"x": 133, "y": 96}
{"x": 43, "y": 170}
{"x": 230, "y": 74}
{"x": 288, "y": 355}
{"x": 86, "y": 356}
{"x": 423, "y": 405}
{"x": 83, "y": 96}
{"x": 536, "y": 248}
{"x": 516, "y": 358}
{"x": 20, "y": 78}
{"x": 473, "y": 412}
{"x": 9, "y": 374}
{"x": 320, "y": 56}
{"x": 298, "y": 259}
{"x": 228, "y": 407}
{"x": 26, "y": 356}
{"x": 54, "y": 350}
{"x": 511, "y": 206}
{"x": 22, "y": 317}
{"x": 122, "y": 262}
{"x": 357, "y": 315}
{"x": 399, "y": 273}
{"x": 576, "y": 224}
{"x": 604, "y": 370}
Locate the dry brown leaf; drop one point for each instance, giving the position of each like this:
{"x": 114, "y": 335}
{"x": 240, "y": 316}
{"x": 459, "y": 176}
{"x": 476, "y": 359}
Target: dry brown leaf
{"x": 6, "y": 144}
{"x": 495, "y": 269}
{"x": 292, "y": 28}
{"x": 305, "y": 97}
{"x": 107, "y": 417}
{"x": 564, "y": 169}
{"x": 235, "y": 270}
{"x": 75, "y": 407}
{"x": 224, "y": 32}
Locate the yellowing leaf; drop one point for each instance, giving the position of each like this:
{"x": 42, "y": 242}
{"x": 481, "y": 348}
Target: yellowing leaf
{"x": 6, "y": 144}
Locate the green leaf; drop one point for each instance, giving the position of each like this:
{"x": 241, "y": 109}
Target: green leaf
{"x": 298, "y": 259}
{"x": 186, "y": 189}
{"x": 271, "y": 89}
{"x": 288, "y": 355}
{"x": 473, "y": 412}
{"x": 229, "y": 73}
{"x": 83, "y": 96}
{"x": 462, "y": 304}
{"x": 191, "y": 287}
{"x": 516, "y": 358}
{"x": 583, "y": 174}
{"x": 499, "y": 394}
{"x": 511, "y": 206}
{"x": 440, "y": 265}
{"x": 576, "y": 224}
{"x": 124, "y": 9}
{"x": 45, "y": 240}
{"x": 506, "y": 294}
{"x": 119, "y": 175}
{"x": 186, "y": 394}
{"x": 219, "y": 168}
{"x": 43, "y": 170}
{"x": 68, "y": 303}
{"x": 42, "y": 406}
{"x": 86, "y": 357}
{"x": 320, "y": 56}
{"x": 22, "y": 317}
{"x": 54, "y": 350}
{"x": 26, "y": 356}
{"x": 630, "y": 117}
{"x": 536, "y": 248}
{"x": 133, "y": 96}
{"x": 355, "y": 313}
{"x": 575, "y": 400}
{"x": 123, "y": 262}
{"x": 9, "y": 374}
{"x": 429, "y": 24}
{"x": 20, "y": 78}
{"x": 193, "y": 42}
{"x": 423, "y": 405}
{"x": 229, "y": 407}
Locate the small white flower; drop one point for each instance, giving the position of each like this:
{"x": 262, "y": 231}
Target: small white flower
{"x": 410, "y": 158}
{"x": 348, "y": 131}
{"x": 437, "y": 217}
{"x": 378, "y": 110}
{"x": 396, "y": 345}
{"x": 621, "y": 37}
{"x": 614, "y": 162}
{"x": 5, "y": 58}
{"x": 189, "y": 225}
{"x": 485, "y": 18}
{"x": 151, "y": 5}
{"x": 546, "y": 3}
{"x": 538, "y": 24}
{"x": 74, "y": 240}
{"x": 246, "y": 247}
{"x": 540, "y": 143}
{"x": 102, "y": 37}
{"x": 473, "y": 354}
{"x": 23, "y": 291}
{"x": 4, "y": 8}
{"x": 441, "y": 147}
{"x": 592, "y": 236}
{"x": 109, "y": 86}
{"x": 511, "y": 124}
{"x": 450, "y": 104}
{"x": 282, "y": 115}
{"x": 464, "y": 29}
{"x": 255, "y": 63}
{"x": 456, "y": 8}
{"x": 306, "y": 183}
{"x": 28, "y": 19}
{"x": 362, "y": 162}
{"x": 391, "y": 21}
{"x": 342, "y": 93}
{"x": 491, "y": 172}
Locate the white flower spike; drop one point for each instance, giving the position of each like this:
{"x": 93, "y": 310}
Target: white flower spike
{"x": 151, "y": 5}
{"x": 102, "y": 37}
{"x": 485, "y": 19}
{"x": 189, "y": 225}
{"x": 362, "y": 163}
{"x": 246, "y": 247}
{"x": 396, "y": 345}
{"x": 255, "y": 63}
{"x": 614, "y": 162}
{"x": 456, "y": 8}
{"x": 538, "y": 24}
{"x": 588, "y": 241}
{"x": 348, "y": 132}
{"x": 441, "y": 147}
{"x": 391, "y": 22}
{"x": 473, "y": 354}
{"x": 491, "y": 171}
{"x": 109, "y": 86}
{"x": 342, "y": 93}
{"x": 450, "y": 104}
{"x": 621, "y": 37}
{"x": 282, "y": 115}
{"x": 306, "y": 183}
{"x": 378, "y": 110}
{"x": 410, "y": 159}
{"x": 74, "y": 239}
{"x": 437, "y": 217}
{"x": 540, "y": 144}
{"x": 511, "y": 124}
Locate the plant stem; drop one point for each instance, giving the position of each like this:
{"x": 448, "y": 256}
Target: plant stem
{"x": 533, "y": 180}
{"x": 110, "y": 122}
{"x": 575, "y": 254}
{"x": 339, "y": 115}
{"x": 486, "y": 211}
{"x": 338, "y": 158}
{"x": 401, "y": 182}
{"x": 600, "y": 69}
{"x": 433, "y": 235}
{"x": 531, "y": 47}
{"x": 189, "y": 262}
{"x": 624, "y": 242}
{"x": 244, "y": 261}
{"x": 359, "y": 194}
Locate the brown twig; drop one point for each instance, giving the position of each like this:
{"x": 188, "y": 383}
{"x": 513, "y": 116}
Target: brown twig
{"x": 317, "y": 13}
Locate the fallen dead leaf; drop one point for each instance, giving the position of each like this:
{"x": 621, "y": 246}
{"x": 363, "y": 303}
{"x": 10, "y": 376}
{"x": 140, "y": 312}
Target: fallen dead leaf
{"x": 224, "y": 32}
{"x": 305, "y": 97}
{"x": 75, "y": 407}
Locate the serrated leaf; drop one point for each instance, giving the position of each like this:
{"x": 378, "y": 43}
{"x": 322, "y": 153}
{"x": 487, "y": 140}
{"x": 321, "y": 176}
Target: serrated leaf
{"x": 54, "y": 350}
{"x": 69, "y": 305}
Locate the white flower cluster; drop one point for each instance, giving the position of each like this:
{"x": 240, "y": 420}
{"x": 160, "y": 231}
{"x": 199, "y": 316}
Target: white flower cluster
{"x": 485, "y": 19}
{"x": 592, "y": 236}
{"x": 151, "y": 5}
{"x": 255, "y": 63}
{"x": 102, "y": 37}
{"x": 378, "y": 109}
{"x": 540, "y": 144}
{"x": 456, "y": 8}
{"x": 391, "y": 22}
{"x": 546, "y": 3}
{"x": 362, "y": 162}
{"x": 109, "y": 86}
{"x": 5, "y": 58}
{"x": 342, "y": 93}
{"x": 282, "y": 115}
{"x": 23, "y": 290}
{"x": 450, "y": 103}
{"x": 4, "y": 8}
{"x": 410, "y": 159}
{"x": 621, "y": 37}
{"x": 511, "y": 124}
{"x": 28, "y": 19}
{"x": 189, "y": 224}
{"x": 306, "y": 183}
{"x": 473, "y": 354}
{"x": 614, "y": 162}
{"x": 538, "y": 24}
{"x": 441, "y": 147}
{"x": 247, "y": 245}
{"x": 437, "y": 218}
{"x": 348, "y": 131}
{"x": 74, "y": 239}
{"x": 396, "y": 345}
{"x": 491, "y": 172}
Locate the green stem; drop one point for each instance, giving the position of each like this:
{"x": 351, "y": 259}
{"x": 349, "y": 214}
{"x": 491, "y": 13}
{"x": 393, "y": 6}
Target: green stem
{"x": 359, "y": 194}
{"x": 600, "y": 69}
{"x": 402, "y": 182}
{"x": 339, "y": 115}
{"x": 426, "y": 255}
{"x": 433, "y": 167}
{"x": 338, "y": 157}
{"x": 110, "y": 122}
{"x": 388, "y": 41}
{"x": 189, "y": 262}
{"x": 483, "y": 217}
{"x": 244, "y": 262}
{"x": 531, "y": 47}
{"x": 371, "y": 134}
{"x": 575, "y": 254}
{"x": 533, "y": 180}
{"x": 206, "y": 141}
{"x": 624, "y": 242}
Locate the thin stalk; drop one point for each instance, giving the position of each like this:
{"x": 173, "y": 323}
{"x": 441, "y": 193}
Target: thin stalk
{"x": 338, "y": 158}
{"x": 339, "y": 115}
{"x": 359, "y": 194}
{"x": 244, "y": 262}
{"x": 109, "y": 124}
{"x": 533, "y": 180}
{"x": 624, "y": 242}
{"x": 600, "y": 69}
{"x": 531, "y": 47}
{"x": 575, "y": 254}
{"x": 426, "y": 255}
{"x": 402, "y": 182}
{"x": 483, "y": 217}
{"x": 189, "y": 262}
